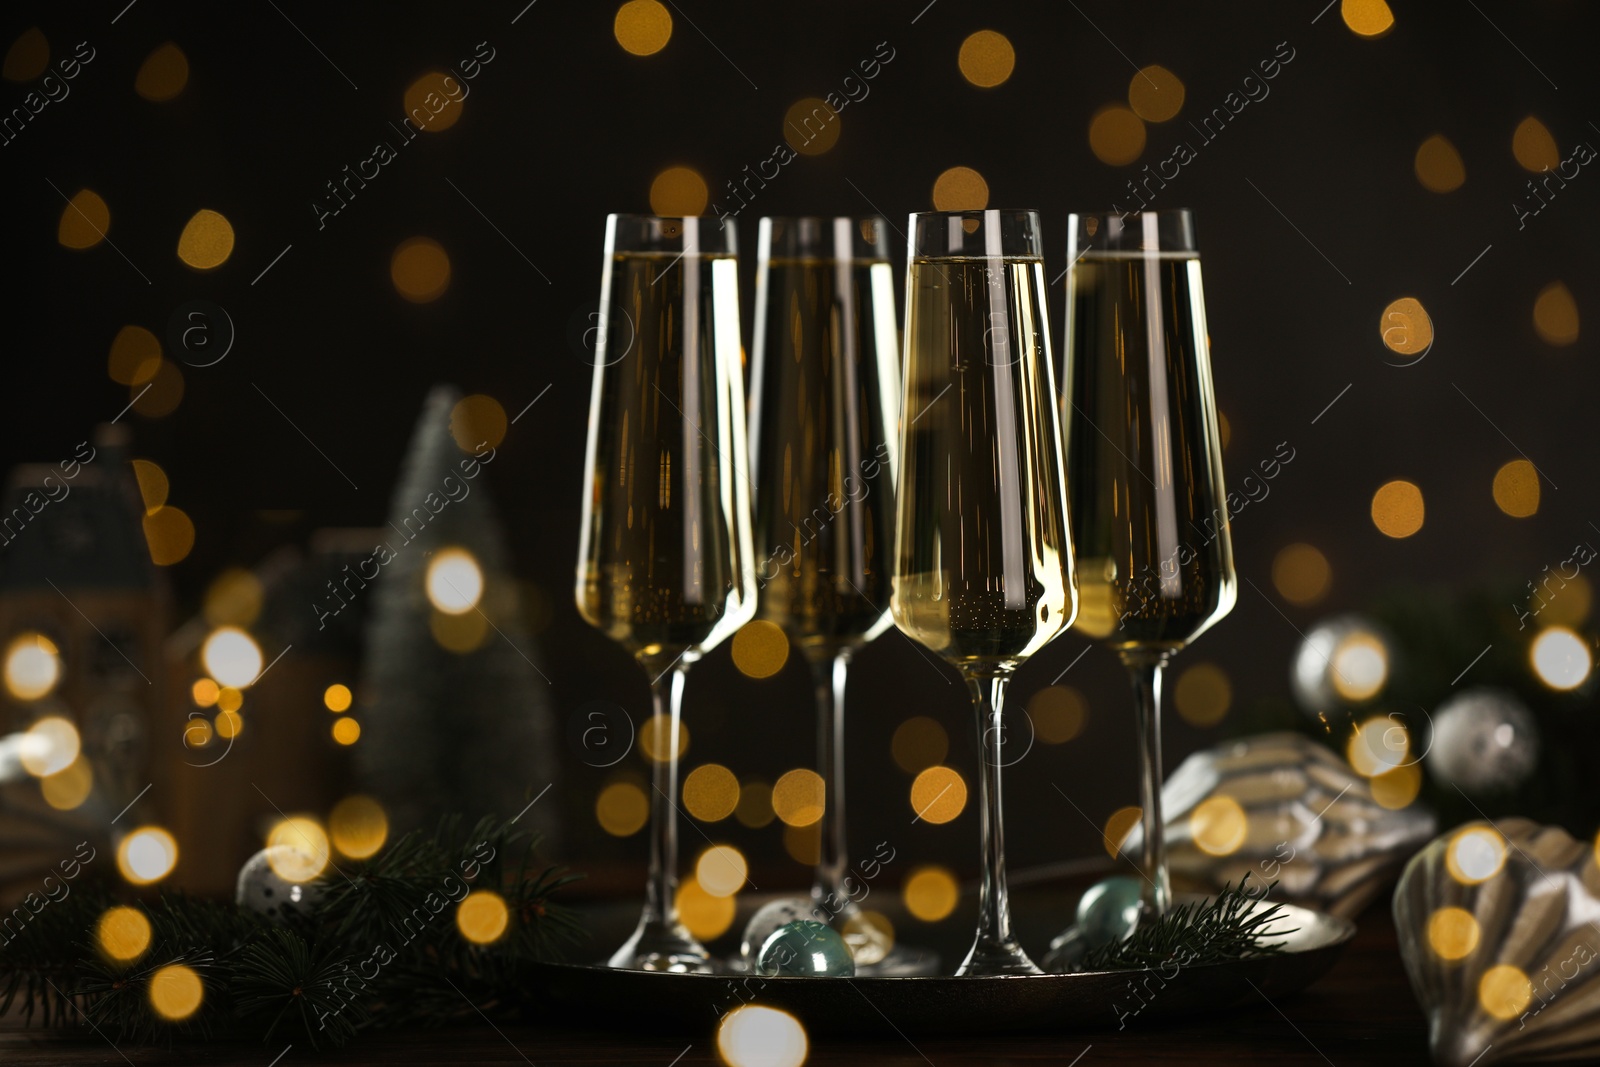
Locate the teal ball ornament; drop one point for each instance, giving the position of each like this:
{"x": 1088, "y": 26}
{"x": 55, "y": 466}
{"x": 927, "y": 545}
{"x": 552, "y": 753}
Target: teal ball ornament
{"x": 1108, "y": 911}
{"x": 805, "y": 949}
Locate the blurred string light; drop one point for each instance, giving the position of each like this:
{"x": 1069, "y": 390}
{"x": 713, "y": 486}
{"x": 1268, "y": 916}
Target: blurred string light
{"x": 477, "y": 422}
{"x": 1378, "y": 745}
{"x": 1119, "y": 824}
{"x": 454, "y": 581}
{"x": 1059, "y": 714}
{"x": 346, "y": 731}
{"x": 1475, "y": 855}
{"x": 135, "y": 356}
{"x": 358, "y": 826}
{"x": 1438, "y": 165}
{"x": 206, "y": 241}
{"x": 938, "y": 795}
{"x": 420, "y": 269}
{"x": 49, "y": 746}
{"x": 176, "y": 992}
{"x": 804, "y": 843}
{"x": 233, "y": 598}
{"x": 1555, "y": 315}
{"x": 123, "y": 933}
{"x": 153, "y": 484}
{"x": 68, "y": 788}
{"x": 960, "y": 189}
{"x": 147, "y": 855}
{"x": 27, "y": 57}
{"x": 1116, "y": 135}
{"x": 297, "y": 848}
{"x": 1516, "y": 489}
{"x": 755, "y": 805}
{"x": 721, "y": 870}
{"x": 811, "y": 127}
{"x": 930, "y": 893}
{"x": 161, "y": 395}
{"x": 642, "y": 27}
{"x": 986, "y": 59}
{"x": 622, "y": 809}
{"x": 1397, "y": 788}
{"x": 1203, "y": 694}
{"x": 1397, "y": 509}
{"x": 798, "y": 797}
{"x": 229, "y": 723}
{"x": 1218, "y": 825}
{"x": 760, "y": 649}
{"x": 1505, "y": 991}
{"x": 85, "y": 221}
{"x": 1571, "y": 603}
{"x": 169, "y": 533}
{"x": 163, "y": 74}
{"x": 1359, "y": 666}
{"x": 459, "y": 633}
{"x": 706, "y": 916}
{"x": 1534, "y": 147}
{"x": 1560, "y": 658}
{"x": 1453, "y": 933}
{"x": 711, "y": 792}
{"x": 1406, "y": 329}
{"x": 754, "y": 1035}
{"x": 435, "y": 85}
{"x": 1368, "y": 18}
{"x": 232, "y": 657}
{"x": 482, "y": 917}
{"x": 33, "y": 666}
{"x": 679, "y": 192}
{"x": 1301, "y": 574}
{"x": 1155, "y": 94}
{"x": 659, "y": 742}
{"x": 337, "y": 698}
{"x": 229, "y": 699}
{"x": 919, "y": 743}
{"x": 197, "y": 733}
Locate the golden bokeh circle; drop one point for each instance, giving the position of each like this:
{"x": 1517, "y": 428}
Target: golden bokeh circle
{"x": 1438, "y": 165}
{"x": 1397, "y": 509}
{"x": 85, "y": 221}
{"x": 930, "y": 893}
{"x": 986, "y": 58}
{"x": 1504, "y": 991}
{"x": 152, "y": 481}
{"x": 1367, "y": 18}
{"x": 1555, "y": 315}
{"x": 643, "y": 27}
{"x": 918, "y": 743}
{"x": 1453, "y": 933}
{"x": 706, "y": 916}
{"x": 1475, "y": 855}
{"x": 938, "y": 795}
{"x": 1218, "y": 825}
{"x": 1203, "y": 694}
{"x": 176, "y": 992}
{"x": 810, "y": 126}
{"x": 206, "y": 241}
{"x": 68, "y": 788}
{"x": 337, "y": 698}
{"x": 1571, "y": 603}
{"x": 297, "y": 847}
{"x": 170, "y": 534}
{"x": 760, "y": 649}
{"x": 1516, "y": 489}
{"x": 1301, "y": 574}
{"x": 1059, "y": 714}
{"x": 1534, "y": 147}
{"x": 804, "y": 843}
{"x": 754, "y": 1035}
{"x": 476, "y": 422}
{"x": 229, "y": 699}
{"x": 710, "y": 792}
{"x": 135, "y": 356}
{"x": 658, "y": 742}
{"x": 163, "y": 74}
{"x": 420, "y": 269}
{"x": 32, "y": 666}
{"x": 721, "y": 870}
{"x": 1116, "y": 135}
{"x": 622, "y": 809}
{"x": 482, "y": 916}
{"x": 161, "y": 395}
{"x": 430, "y": 103}
{"x": 123, "y": 933}
{"x": 1156, "y": 94}
{"x": 1397, "y": 789}
{"x": 960, "y": 189}
{"x": 233, "y": 598}
{"x": 1405, "y": 328}
{"x": 798, "y": 797}
{"x": 1561, "y": 658}
{"x": 755, "y": 805}
{"x": 147, "y": 855}
{"x": 1118, "y": 826}
{"x": 358, "y": 826}
{"x": 679, "y": 192}
{"x": 346, "y": 731}
{"x": 27, "y": 57}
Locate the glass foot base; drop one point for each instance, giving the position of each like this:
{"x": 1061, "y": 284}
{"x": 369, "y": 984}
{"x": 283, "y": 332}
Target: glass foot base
{"x": 657, "y": 946}
{"x": 996, "y": 957}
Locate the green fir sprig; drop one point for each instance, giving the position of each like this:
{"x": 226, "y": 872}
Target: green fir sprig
{"x": 1229, "y": 926}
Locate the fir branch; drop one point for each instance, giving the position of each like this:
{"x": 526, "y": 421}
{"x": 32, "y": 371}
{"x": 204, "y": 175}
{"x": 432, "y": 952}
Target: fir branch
{"x": 1230, "y": 926}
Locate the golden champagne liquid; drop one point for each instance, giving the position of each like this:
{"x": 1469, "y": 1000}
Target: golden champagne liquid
{"x": 821, "y": 449}
{"x": 659, "y": 567}
{"x": 983, "y": 567}
{"x": 1149, "y": 512}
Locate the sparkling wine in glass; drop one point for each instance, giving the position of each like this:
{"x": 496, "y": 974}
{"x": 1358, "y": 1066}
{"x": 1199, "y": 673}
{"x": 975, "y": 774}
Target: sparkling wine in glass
{"x": 665, "y": 565}
{"x": 1150, "y": 519}
{"x": 983, "y": 553}
{"x": 825, "y": 392}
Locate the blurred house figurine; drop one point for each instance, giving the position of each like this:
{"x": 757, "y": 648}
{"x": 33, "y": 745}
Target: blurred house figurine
{"x": 83, "y": 612}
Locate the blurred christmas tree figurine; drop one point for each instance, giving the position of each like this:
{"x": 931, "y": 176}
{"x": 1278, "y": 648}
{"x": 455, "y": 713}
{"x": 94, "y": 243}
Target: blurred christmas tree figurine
{"x": 460, "y": 713}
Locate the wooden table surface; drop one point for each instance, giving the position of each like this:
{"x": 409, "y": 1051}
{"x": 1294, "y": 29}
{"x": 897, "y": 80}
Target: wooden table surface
{"x": 1361, "y": 1013}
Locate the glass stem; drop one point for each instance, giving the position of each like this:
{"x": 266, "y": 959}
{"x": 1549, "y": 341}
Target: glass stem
{"x": 661, "y": 891}
{"x": 1145, "y": 671}
{"x": 827, "y": 888}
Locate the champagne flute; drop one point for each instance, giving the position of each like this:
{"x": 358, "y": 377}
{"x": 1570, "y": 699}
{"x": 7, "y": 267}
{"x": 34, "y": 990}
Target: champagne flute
{"x": 825, "y": 394}
{"x": 1155, "y": 563}
{"x": 665, "y": 566}
{"x": 983, "y": 552}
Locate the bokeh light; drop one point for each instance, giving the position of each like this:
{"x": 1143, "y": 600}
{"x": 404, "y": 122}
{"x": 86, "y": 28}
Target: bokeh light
{"x": 754, "y": 1035}
{"x": 297, "y": 848}
{"x": 679, "y": 192}
{"x": 459, "y": 633}
{"x": 135, "y": 356}
{"x": 986, "y": 58}
{"x": 1560, "y": 658}
{"x": 477, "y": 422}
{"x": 622, "y": 809}
{"x": 1218, "y": 825}
{"x": 232, "y": 657}
{"x": 918, "y": 743}
{"x": 643, "y": 27}
{"x": 169, "y": 533}
{"x": 152, "y": 481}
{"x": 49, "y": 746}
{"x": 176, "y": 992}
{"x": 1155, "y": 94}
{"x": 1570, "y": 604}
{"x": 659, "y": 742}
{"x": 233, "y": 598}
{"x": 33, "y": 666}
{"x": 123, "y": 933}
{"x": 1059, "y": 714}
{"x": 1116, "y": 135}
{"x": 1475, "y": 855}
{"x": 804, "y": 843}
{"x": 358, "y": 826}
{"x": 938, "y": 795}
{"x": 1406, "y": 329}
{"x": 1397, "y": 789}
{"x": 1504, "y": 991}
{"x": 755, "y": 805}
{"x": 206, "y": 241}
{"x": 1438, "y": 165}
{"x": 1368, "y": 18}
{"x": 1203, "y": 694}
{"x": 482, "y": 916}
{"x": 1555, "y": 315}
{"x": 434, "y": 102}
{"x": 1118, "y": 825}
{"x": 704, "y": 915}
{"x": 204, "y": 692}
{"x": 711, "y": 792}
{"x": 930, "y": 893}
{"x": 1359, "y": 666}
{"x": 346, "y": 731}
{"x": 230, "y": 723}
{"x": 161, "y": 395}
{"x": 147, "y": 855}
{"x": 454, "y": 581}
{"x": 85, "y": 221}
{"x": 163, "y": 74}
{"x": 229, "y": 699}
{"x": 27, "y": 57}
{"x": 1301, "y": 574}
{"x": 1534, "y": 147}
{"x": 1452, "y": 933}
{"x": 1397, "y": 509}
{"x": 420, "y": 269}
{"x": 797, "y": 797}
{"x": 760, "y": 649}
{"x": 337, "y": 698}
{"x": 68, "y": 788}
{"x": 960, "y": 189}
{"x": 1378, "y": 745}
{"x": 811, "y": 127}
{"x": 1516, "y": 489}
{"x": 721, "y": 870}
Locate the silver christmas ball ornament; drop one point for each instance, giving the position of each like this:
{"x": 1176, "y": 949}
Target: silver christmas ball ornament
{"x": 263, "y": 890}
{"x": 1484, "y": 740}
